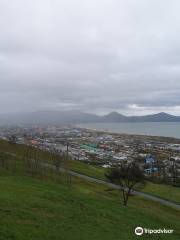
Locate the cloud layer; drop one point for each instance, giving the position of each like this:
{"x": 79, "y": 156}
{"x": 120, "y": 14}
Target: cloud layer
{"x": 91, "y": 55}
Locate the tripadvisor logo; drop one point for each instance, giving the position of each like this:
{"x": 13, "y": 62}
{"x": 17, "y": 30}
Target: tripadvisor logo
{"x": 140, "y": 231}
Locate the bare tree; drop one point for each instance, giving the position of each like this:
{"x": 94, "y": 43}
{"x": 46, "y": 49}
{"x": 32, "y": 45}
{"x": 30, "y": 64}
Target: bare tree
{"x": 2, "y": 160}
{"x": 127, "y": 176}
{"x": 67, "y": 165}
{"x": 174, "y": 172}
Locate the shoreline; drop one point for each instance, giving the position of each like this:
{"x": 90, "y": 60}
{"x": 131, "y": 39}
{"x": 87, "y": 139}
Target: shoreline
{"x": 140, "y": 136}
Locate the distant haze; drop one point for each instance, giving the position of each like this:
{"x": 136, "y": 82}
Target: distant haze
{"x": 76, "y": 117}
{"x": 93, "y": 56}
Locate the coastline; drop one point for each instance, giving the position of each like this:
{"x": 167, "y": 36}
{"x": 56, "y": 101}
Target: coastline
{"x": 133, "y": 135}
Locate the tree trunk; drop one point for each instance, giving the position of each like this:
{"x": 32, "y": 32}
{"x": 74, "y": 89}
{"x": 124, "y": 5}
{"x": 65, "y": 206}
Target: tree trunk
{"x": 124, "y": 197}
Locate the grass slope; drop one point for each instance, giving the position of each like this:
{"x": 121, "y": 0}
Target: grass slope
{"x": 32, "y": 209}
{"x": 20, "y": 151}
{"x": 168, "y": 192}
{"x": 164, "y": 191}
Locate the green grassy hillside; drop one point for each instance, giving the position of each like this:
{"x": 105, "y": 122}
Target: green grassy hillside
{"x": 33, "y": 209}
{"x": 164, "y": 191}
{"x": 21, "y": 151}
{"x": 168, "y": 192}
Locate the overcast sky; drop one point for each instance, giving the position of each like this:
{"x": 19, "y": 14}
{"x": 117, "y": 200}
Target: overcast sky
{"x": 91, "y": 55}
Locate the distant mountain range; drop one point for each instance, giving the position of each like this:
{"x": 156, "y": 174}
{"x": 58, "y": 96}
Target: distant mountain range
{"x": 159, "y": 117}
{"x": 75, "y": 117}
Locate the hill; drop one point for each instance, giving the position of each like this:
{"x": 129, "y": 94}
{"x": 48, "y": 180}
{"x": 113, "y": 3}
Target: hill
{"x": 44, "y": 205}
{"x": 16, "y": 153}
{"x": 159, "y": 117}
{"x": 114, "y": 117}
{"x": 34, "y": 209}
{"x": 75, "y": 117}
{"x": 48, "y": 117}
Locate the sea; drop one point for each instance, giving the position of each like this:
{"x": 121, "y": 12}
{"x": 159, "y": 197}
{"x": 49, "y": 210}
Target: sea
{"x": 164, "y": 129}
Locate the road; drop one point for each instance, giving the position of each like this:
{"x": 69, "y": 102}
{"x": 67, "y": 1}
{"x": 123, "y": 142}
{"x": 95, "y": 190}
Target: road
{"x": 145, "y": 195}
{"x": 111, "y": 185}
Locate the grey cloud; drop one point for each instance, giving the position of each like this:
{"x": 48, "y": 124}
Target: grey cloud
{"x": 95, "y": 56}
